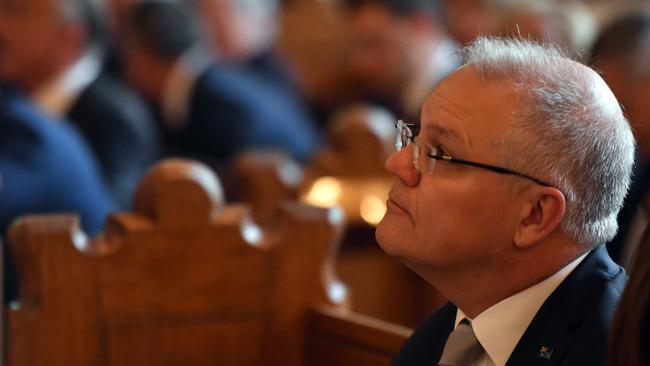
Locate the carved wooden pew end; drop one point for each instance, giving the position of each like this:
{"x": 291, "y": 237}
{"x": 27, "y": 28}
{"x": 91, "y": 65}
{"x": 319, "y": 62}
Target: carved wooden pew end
{"x": 184, "y": 279}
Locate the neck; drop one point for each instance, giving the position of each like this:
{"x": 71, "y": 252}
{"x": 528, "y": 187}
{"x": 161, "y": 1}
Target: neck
{"x": 476, "y": 288}
{"x": 159, "y": 75}
{"x": 39, "y": 77}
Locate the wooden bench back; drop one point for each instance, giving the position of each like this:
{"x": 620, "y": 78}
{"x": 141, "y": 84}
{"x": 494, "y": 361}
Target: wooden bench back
{"x": 183, "y": 280}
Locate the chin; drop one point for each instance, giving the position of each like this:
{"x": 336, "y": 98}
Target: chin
{"x": 389, "y": 236}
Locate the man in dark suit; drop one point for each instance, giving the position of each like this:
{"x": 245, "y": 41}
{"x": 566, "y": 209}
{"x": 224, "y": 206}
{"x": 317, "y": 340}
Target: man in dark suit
{"x": 621, "y": 53}
{"x": 506, "y": 190}
{"x": 52, "y": 51}
{"x": 398, "y": 51}
{"x": 45, "y": 167}
{"x": 243, "y": 33}
{"x": 208, "y": 110}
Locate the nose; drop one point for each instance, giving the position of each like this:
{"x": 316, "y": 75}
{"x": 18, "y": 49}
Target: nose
{"x": 400, "y": 164}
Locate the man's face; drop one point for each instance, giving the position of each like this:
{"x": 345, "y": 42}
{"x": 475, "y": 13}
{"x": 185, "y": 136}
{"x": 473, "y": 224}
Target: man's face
{"x": 237, "y": 32}
{"x": 459, "y": 214}
{"x": 28, "y": 38}
{"x": 139, "y": 65}
{"x": 380, "y": 49}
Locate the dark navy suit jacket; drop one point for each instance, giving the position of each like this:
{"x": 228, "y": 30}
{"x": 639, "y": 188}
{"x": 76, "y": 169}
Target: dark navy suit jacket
{"x": 572, "y": 323}
{"x": 230, "y": 111}
{"x": 120, "y": 131}
{"x": 45, "y": 168}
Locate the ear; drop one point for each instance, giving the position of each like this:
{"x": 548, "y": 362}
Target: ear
{"x": 539, "y": 216}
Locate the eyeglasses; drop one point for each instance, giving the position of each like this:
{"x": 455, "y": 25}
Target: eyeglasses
{"x": 407, "y": 134}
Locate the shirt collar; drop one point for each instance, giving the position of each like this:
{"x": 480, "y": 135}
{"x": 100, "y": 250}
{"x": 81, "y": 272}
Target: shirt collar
{"x": 180, "y": 84}
{"x": 58, "y": 95}
{"x": 500, "y": 327}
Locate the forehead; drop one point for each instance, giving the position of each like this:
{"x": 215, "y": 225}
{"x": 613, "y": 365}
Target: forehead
{"x": 470, "y": 108}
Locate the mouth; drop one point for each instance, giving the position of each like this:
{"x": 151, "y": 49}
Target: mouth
{"x": 394, "y": 206}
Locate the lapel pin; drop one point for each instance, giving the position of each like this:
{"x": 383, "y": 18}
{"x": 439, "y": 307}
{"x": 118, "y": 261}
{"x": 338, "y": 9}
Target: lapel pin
{"x": 545, "y": 353}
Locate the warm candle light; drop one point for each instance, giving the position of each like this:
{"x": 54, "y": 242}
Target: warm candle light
{"x": 325, "y": 192}
{"x": 372, "y": 209}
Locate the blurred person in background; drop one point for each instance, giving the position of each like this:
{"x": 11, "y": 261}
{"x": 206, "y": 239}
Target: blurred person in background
{"x": 51, "y": 50}
{"x": 568, "y": 24}
{"x": 45, "y": 167}
{"x": 540, "y": 21}
{"x": 399, "y": 50}
{"x": 208, "y": 110}
{"x": 116, "y": 11}
{"x": 629, "y": 339}
{"x": 243, "y": 33}
{"x": 622, "y": 52}
{"x": 467, "y": 19}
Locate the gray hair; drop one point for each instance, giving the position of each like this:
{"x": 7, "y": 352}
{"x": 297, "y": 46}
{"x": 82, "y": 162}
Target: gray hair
{"x": 570, "y": 132}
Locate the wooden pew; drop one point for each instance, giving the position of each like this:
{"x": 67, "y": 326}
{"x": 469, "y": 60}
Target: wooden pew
{"x": 186, "y": 280}
{"x": 338, "y": 337}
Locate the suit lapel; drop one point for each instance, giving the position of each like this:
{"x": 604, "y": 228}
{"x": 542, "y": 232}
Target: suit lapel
{"x": 550, "y": 334}
{"x": 448, "y": 313}
{"x": 543, "y": 344}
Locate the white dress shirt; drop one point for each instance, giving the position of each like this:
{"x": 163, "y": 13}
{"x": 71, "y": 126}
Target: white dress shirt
{"x": 57, "y": 96}
{"x": 179, "y": 86}
{"x": 500, "y": 327}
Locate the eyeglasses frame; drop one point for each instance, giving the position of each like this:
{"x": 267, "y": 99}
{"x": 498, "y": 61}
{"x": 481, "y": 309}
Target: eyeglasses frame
{"x": 414, "y": 130}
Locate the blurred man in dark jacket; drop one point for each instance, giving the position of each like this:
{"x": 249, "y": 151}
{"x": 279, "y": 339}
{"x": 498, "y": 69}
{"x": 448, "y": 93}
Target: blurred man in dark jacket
{"x": 208, "y": 110}
{"x": 52, "y": 51}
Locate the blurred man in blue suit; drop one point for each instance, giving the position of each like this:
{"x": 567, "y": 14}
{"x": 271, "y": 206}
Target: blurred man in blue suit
{"x": 208, "y": 110}
{"x": 52, "y": 51}
{"x": 45, "y": 167}
{"x": 243, "y": 33}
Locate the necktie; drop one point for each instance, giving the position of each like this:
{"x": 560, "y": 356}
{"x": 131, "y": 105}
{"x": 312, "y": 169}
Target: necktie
{"x": 462, "y": 347}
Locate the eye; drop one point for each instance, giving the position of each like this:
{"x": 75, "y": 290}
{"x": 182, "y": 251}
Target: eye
{"x": 440, "y": 152}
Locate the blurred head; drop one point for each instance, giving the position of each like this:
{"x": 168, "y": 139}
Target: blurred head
{"x": 538, "y": 21}
{"x": 157, "y": 34}
{"x": 239, "y": 29}
{"x": 467, "y": 19}
{"x": 118, "y": 11}
{"x": 527, "y": 108}
{"x": 621, "y": 52}
{"x": 39, "y": 38}
{"x": 390, "y": 40}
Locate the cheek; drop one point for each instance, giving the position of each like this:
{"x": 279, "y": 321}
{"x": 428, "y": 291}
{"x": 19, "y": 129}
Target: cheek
{"x": 457, "y": 215}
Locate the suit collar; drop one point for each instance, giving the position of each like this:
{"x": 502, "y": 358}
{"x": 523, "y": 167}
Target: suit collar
{"x": 550, "y": 334}
{"x": 500, "y": 327}
{"x": 58, "y": 96}
{"x": 448, "y": 315}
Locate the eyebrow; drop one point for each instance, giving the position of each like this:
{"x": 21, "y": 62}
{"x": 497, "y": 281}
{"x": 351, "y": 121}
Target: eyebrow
{"x": 437, "y": 129}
